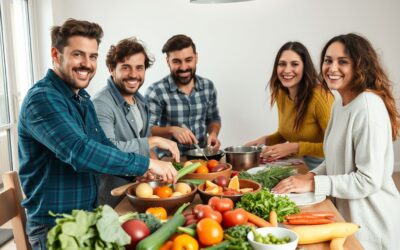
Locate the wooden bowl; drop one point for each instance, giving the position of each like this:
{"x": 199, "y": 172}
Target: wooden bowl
{"x": 210, "y": 176}
{"x": 170, "y": 204}
{"x": 243, "y": 184}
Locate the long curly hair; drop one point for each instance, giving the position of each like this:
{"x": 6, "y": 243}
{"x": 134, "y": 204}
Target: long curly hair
{"x": 368, "y": 73}
{"x": 306, "y": 85}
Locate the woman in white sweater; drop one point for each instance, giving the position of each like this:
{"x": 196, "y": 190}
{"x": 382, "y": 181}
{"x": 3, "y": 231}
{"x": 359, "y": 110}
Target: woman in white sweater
{"x": 358, "y": 144}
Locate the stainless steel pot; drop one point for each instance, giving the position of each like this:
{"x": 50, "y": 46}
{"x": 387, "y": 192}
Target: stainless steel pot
{"x": 242, "y": 157}
{"x": 199, "y": 154}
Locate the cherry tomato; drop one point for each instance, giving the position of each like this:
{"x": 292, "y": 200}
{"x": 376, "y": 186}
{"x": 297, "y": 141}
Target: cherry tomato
{"x": 164, "y": 191}
{"x": 212, "y": 164}
{"x": 202, "y": 170}
{"x": 235, "y": 217}
{"x": 158, "y": 212}
{"x": 209, "y": 232}
{"x": 221, "y": 204}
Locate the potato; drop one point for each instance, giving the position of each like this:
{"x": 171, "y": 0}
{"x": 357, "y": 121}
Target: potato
{"x": 183, "y": 188}
{"x": 144, "y": 190}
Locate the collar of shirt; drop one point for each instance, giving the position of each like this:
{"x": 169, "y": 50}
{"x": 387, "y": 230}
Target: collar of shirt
{"x": 63, "y": 87}
{"x": 198, "y": 84}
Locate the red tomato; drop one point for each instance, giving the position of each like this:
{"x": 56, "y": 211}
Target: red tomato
{"x": 221, "y": 204}
{"x": 209, "y": 232}
{"x": 200, "y": 210}
{"x": 205, "y": 211}
{"x": 235, "y": 217}
{"x": 137, "y": 230}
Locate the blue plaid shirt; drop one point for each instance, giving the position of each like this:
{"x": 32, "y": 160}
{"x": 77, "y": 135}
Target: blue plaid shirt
{"x": 61, "y": 148}
{"x": 169, "y": 106}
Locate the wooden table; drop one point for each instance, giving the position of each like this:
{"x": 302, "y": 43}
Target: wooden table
{"x": 351, "y": 243}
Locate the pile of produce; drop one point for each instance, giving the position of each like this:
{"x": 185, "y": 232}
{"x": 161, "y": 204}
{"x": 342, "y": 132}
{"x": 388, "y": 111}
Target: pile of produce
{"x": 100, "y": 229}
{"x": 210, "y": 166}
{"x": 263, "y": 202}
{"x": 269, "y": 177}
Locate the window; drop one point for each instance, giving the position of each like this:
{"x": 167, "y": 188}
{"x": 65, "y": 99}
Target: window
{"x": 15, "y": 76}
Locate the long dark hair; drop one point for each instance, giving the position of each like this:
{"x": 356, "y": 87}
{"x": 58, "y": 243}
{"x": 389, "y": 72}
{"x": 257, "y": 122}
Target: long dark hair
{"x": 306, "y": 84}
{"x": 368, "y": 73}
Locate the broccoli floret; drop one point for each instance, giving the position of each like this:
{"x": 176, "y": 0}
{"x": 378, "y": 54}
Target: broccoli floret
{"x": 152, "y": 222}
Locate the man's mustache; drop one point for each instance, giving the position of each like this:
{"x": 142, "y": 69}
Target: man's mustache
{"x": 83, "y": 68}
{"x": 183, "y": 71}
{"x": 132, "y": 79}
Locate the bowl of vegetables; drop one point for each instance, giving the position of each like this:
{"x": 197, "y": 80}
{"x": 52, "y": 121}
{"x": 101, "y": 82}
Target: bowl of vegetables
{"x": 209, "y": 170}
{"x": 234, "y": 189}
{"x": 158, "y": 194}
{"x": 273, "y": 238}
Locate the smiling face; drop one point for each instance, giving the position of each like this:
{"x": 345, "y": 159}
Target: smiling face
{"x": 182, "y": 64}
{"x": 337, "y": 69}
{"x": 77, "y": 63}
{"x": 290, "y": 70}
{"x": 129, "y": 75}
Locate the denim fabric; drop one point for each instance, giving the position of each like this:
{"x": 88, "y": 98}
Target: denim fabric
{"x": 312, "y": 162}
{"x": 37, "y": 235}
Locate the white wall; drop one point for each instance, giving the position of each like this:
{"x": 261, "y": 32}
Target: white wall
{"x": 237, "y": 43}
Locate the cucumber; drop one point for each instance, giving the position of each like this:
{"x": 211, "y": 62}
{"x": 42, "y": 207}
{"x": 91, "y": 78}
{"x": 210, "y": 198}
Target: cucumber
{"x": 155, "y": 240}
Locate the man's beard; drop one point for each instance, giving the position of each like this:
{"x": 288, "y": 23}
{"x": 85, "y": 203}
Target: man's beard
{"x": 124, "y": 89}
{"x": 69, "y": 78}
{"x": 183, "y": 80}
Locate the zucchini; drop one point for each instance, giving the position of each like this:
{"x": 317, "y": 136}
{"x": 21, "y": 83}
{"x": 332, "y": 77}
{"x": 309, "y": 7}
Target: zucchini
{"x": 189, "y": 169}
{"x": 155, "y": 240}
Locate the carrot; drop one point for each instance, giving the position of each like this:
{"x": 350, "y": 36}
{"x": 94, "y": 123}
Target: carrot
{"x": 314, "y": 221}
{"x": 273, "y": 218}
{"x": 310, "y": 215}
{"x": 258, "y": 221}
{"x": 320, "y": 213}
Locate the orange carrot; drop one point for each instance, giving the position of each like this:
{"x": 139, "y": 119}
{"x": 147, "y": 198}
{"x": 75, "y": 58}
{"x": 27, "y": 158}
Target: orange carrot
{"x": 273, "y": 218}
{"x": 320, "y": 213}
{"x": 314, "y": 221}
{"x": 258, "y": 221}
{"x": 310, "y": 215}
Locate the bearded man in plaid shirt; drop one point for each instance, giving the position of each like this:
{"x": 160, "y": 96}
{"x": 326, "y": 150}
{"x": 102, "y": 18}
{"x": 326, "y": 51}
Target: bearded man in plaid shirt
{"x": 183, "y": 105}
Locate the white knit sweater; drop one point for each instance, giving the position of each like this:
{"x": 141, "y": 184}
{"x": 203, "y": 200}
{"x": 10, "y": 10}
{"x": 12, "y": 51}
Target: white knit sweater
{"x": 358, "y": 168}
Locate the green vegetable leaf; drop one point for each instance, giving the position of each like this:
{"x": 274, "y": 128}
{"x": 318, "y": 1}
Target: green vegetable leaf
{"x": 68, "y": 242}
{"x": 109, "y": 228}
{"x": 263, "y": 202}
{"x": 73, "y": 229}
{"x": 269, "y": 177}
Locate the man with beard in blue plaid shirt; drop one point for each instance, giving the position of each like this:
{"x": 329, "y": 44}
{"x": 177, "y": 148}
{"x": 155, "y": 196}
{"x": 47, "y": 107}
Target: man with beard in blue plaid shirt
{"x": 61, "y": 144}
{"x": 183, "y": 105}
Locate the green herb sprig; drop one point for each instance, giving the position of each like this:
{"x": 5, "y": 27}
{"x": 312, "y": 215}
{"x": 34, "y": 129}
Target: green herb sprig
{"x": 269, "y": 177}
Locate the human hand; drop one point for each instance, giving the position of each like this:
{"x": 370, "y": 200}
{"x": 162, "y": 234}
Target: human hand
{"x": 278, "y": 151}
{"x": 213, "y": 142}
{"x": 295, "y": 184}
{"x": 163, "y": 143}
{"x": 184, "y": 135}
{"x": 257, "y": 142}
{"x": 146, "y": 177}
{"x": 163, "y": 169}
